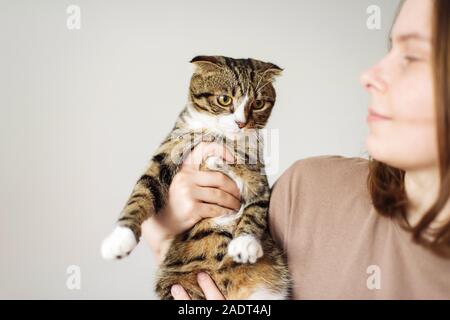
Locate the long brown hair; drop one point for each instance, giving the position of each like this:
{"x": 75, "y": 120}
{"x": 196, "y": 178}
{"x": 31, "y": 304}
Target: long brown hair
{"x": 386, "y": 183}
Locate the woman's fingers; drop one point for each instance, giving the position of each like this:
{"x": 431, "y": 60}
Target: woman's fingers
{"x": 209, "y": 288}
{"x": 217, "y": 180}
{"x": 215, "y": 196}
{"x": 178, "y": 293}
{"x": 208, "y": 210}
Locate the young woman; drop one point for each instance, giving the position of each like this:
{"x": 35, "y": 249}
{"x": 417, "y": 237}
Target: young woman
{"x": 355, "y": 228}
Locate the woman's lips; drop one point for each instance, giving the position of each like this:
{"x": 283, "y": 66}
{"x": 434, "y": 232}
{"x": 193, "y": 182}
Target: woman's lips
{"x": 375, "y": 116}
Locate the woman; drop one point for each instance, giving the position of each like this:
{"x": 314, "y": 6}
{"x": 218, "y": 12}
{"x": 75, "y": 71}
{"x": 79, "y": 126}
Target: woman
{"x": 355, "y": 228}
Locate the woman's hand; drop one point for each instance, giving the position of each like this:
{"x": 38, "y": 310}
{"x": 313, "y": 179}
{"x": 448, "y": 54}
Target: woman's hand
{"x": 205, "y": 282}
{"x": 193, "y": 195}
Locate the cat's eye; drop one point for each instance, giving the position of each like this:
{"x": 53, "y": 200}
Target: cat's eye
{"x": 224, "y": 100}
{"x": 259, "y": 104}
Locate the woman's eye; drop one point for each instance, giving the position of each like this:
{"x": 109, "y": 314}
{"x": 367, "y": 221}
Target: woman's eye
{"x": 259, "y": 104}
{"x": 410, "y": 59}
{"x": 224, "y": 100}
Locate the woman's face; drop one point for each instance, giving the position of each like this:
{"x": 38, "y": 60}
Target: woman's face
{"x": 401, "y": 118}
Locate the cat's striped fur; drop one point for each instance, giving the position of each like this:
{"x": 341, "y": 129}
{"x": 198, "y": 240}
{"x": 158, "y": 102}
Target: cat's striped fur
{"x": 237, "y": 251}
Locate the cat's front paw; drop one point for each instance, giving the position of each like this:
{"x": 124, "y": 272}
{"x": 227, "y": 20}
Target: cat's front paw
{"x": 214, "y": 163}
{"x": 245, "y": 248}
{"x": 118, "y": 244}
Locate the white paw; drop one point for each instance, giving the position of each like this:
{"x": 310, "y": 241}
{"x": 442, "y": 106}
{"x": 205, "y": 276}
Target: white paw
{"x": 119, "y": 243}
{"x": 245, "y": 248}
{"x": 214, "y": 163}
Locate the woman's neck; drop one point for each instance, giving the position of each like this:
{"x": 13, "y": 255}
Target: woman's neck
{"x": 422, "y": 189}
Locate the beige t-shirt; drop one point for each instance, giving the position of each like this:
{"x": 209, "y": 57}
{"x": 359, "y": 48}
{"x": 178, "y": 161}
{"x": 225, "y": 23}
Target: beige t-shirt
{"x": 338, "y": 246}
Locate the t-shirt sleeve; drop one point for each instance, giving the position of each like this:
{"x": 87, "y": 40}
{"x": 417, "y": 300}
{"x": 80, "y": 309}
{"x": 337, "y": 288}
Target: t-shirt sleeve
{"x": 281, "y": 205}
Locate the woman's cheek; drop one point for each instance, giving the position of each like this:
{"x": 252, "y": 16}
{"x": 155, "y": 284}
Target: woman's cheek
{"x": 408, "y": 140}
{"x": 416, "y": 143}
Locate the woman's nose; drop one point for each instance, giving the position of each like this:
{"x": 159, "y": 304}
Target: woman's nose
{"x": 372, "y": 79}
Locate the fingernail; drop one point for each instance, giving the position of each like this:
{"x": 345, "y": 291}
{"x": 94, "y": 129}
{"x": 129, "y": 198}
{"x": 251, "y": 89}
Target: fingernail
{"x": 202, "y": 276}
{"x": 176, "y": 289}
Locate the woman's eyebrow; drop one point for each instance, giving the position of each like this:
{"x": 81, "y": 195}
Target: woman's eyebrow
{"x": 409, "y": 36}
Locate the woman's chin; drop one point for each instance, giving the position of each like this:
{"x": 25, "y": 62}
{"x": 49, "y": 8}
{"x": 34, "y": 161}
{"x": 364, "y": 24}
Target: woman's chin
{"x": 375, "y": 147}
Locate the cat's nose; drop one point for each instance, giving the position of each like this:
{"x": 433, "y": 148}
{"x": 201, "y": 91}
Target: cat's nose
{"x": 240, "y": 124}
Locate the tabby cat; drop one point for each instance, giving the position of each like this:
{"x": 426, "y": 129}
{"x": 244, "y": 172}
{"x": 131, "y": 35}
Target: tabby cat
{"x": 229, "y": 101}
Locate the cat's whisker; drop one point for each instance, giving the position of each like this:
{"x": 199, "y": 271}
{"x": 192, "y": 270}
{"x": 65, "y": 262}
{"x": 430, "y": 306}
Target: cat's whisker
{"x": 262, "y": 77}
{"x": 263, "y": 86}
{"x": 259, "y": 81}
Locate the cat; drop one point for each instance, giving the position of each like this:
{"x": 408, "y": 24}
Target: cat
{"x": 229, "y": 102}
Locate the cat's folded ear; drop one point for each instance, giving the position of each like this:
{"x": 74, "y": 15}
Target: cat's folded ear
{"x": 270, "y": 71}
{"x": 207, "y": 63}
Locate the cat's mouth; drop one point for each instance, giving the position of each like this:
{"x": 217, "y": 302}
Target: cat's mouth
{"x": 244, "y": 129}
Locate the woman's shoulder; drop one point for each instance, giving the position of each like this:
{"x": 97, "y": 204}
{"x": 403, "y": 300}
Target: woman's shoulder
{"x": 319, "y": 193}
{"x": 330, "y": 165}
{"x": 319, "y": 183}
{"x": 327, "y": 171}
